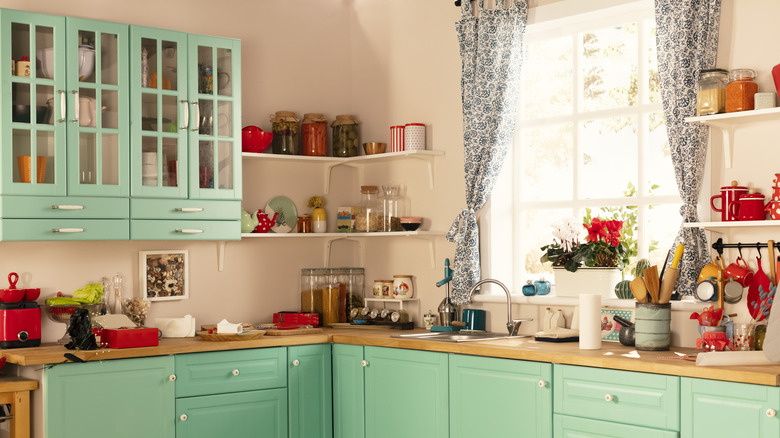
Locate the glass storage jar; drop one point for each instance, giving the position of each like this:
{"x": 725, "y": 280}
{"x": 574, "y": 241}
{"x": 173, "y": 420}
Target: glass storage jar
{"x": 368, "y": 213}
{"x": 711, "y": 91}
{"x": 351, "y": 282}
{"x": 345, "y": 136}
{"x": 287, "y": 135}
{"x": 312, "y": 282}
{"x": 315, "y": 135}
{"x": 740, "y": 90}
{"x": 393, "y": 207}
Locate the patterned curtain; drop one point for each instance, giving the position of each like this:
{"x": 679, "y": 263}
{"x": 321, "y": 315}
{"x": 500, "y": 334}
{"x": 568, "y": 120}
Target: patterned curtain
{"x": 687, "y": 42}
{"x": 491, "y": 52}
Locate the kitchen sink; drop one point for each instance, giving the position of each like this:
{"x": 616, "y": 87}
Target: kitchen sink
{"x": 454, "y": 336}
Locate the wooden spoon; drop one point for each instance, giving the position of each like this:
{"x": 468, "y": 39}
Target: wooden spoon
{"x": 639, "y": 290}
{"x": 652, "y": 282}
{"x": 772, "y": 275}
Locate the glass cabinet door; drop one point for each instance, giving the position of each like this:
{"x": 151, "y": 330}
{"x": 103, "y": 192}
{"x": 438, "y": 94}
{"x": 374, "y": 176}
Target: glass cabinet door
{"x": 160, "y": 113}
{"x": 98, "y": 125}
{"x": 33, "y": 105}
{"x": 214, "y": 147}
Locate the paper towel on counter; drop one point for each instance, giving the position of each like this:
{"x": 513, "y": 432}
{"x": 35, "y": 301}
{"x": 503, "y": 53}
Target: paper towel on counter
{"x": 590, "y": 321}
{"x": 225, "y": 327}
{"x": 727, "y": 358}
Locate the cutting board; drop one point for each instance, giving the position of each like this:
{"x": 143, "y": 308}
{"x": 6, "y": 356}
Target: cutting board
{"x": 772, "y": 337}
{"x": 291, "y": 332}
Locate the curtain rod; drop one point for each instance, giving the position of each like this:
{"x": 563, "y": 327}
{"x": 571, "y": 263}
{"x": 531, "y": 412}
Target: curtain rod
{"x": 719, "y": 245}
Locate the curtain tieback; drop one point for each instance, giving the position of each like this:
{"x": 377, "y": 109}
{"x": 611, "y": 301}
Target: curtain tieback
{"x": 466, "y": 220}
{"x": 689, "y": 213}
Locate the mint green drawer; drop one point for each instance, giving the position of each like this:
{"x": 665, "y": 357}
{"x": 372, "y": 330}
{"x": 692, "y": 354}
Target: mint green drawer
{"x": 223, "y": 372}
{"x": 141, "y": 208}
{"x": 184, "y": 230}
{"x": 22, "y": 230}
{"x": 61, "y": 207}
{"x": 641, "y": 399}
{"x": 574, "y": 427}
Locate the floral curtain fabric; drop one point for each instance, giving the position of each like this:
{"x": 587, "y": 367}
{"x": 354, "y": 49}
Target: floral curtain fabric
{"x": 687, "y": 42}
{"x": 491, "y": 53}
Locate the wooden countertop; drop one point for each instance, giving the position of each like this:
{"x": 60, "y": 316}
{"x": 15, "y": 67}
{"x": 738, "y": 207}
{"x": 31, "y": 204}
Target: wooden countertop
{"x": 612, "y": 355}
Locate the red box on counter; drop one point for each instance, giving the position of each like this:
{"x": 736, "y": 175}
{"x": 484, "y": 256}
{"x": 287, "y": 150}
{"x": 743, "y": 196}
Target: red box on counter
{"x": 131, "y": 337}
{"x": 297, "y": 319}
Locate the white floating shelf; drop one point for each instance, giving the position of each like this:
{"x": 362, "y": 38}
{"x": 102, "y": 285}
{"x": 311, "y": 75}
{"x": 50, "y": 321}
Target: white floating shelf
{"x": 720, "y": 226}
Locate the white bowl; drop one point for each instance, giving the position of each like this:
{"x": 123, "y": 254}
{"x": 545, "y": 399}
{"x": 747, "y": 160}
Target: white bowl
{"x": 46, "y": 60}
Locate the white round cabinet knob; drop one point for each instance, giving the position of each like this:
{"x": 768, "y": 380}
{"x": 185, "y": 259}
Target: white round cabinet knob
{"x": 771, "y": 413}
{"x": 183, "y": 417}
{"x": 296, "y": 362}
{"x": 364, "y": 363}
{"x": 542, "y": 384}
{"x": 172, "y": 377}
{"x": 235, "y": 372}
{"x": 609, "y": 397}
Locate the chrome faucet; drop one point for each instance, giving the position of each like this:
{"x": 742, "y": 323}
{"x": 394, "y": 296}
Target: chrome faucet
{"x": 512, "y": 325}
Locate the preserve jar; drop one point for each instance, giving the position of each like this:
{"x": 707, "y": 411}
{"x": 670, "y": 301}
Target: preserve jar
{"x": 403, "y": 288}
{"x": 741, "y": 90}
{"x": 315, "y": 135}
{"x": 287, "y": 135}
{"x": 345, "y": 136}
{"x": 393, "y": 207}
{"x": 368, "y": 213}
{"x": 711, "y": 91}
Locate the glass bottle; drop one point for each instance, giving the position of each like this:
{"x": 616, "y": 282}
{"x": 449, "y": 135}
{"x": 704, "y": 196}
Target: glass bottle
{"x": 315, "y": 135}
{"x": 711, "y": 91}
{"x": 368, "y": 213}
{"x": 345, "y": 136}
{"x": 393, "y": 207}
{"x": 741, "y": 90}
{"x": 287, "y": 135}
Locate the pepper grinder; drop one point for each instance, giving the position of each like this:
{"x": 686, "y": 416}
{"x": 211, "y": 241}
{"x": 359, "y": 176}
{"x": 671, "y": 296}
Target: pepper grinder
{"x": 448, "y": 312}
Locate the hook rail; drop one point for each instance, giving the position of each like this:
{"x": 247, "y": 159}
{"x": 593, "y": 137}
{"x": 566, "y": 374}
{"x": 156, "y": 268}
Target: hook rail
{"x": 719, "y": 246}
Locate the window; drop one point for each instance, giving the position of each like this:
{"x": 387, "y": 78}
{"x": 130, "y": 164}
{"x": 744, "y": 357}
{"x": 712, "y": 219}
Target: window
{"x": 590, "y": 138}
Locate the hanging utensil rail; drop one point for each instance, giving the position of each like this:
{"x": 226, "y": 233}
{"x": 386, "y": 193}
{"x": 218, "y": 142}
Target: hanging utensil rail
{"x": 720, "y": 246}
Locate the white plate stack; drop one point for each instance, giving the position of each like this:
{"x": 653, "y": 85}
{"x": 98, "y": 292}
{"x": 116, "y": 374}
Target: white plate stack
{"x": 149, "y": 168}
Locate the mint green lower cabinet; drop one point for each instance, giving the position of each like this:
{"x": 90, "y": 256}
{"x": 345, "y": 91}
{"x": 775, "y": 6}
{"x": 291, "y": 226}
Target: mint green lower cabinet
{"x": 309, "y": 381}
{"x": 125, "y": 398}
{"x": 407, "y": 393}
{"x": 348, "y": 391}
{"x": 712, "y": 408}
{"x": 492, "y": 397}
{"x": 236, "y": 415}
{"x": 575, "y": 427}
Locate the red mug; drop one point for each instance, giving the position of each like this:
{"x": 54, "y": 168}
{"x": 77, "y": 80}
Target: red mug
{"x": 740, "y": 273}
{"x": 727, "y": 196}
{"x": 749, "y": 208}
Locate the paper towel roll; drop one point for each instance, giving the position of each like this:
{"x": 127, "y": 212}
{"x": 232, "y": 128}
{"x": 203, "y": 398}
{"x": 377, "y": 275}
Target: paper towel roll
{"x": 590, "y": 321}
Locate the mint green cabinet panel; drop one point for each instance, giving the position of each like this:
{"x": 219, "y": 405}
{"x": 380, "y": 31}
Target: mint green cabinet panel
{"x": 575, "y": 427}
{"x": 230, "y": 371}
{"x": 125, "y": 398}
{"x": 239, "y": 415}
{"x": 348, "y": 391}
{"x": 713, "y": 408}
{"x": 32, "y": 145}
{"x": 185, "y": 209}
{"x": 54, "y": 207}
{"x": 499, "y": 397}
{"x": 184, "y": 230}
{"x": 309, "y": 381}
{"x": 98, "y": 103}
{"x": 21, "y": 230}
{"x": 406, "y": 393}
{"x": 642, "y": 399}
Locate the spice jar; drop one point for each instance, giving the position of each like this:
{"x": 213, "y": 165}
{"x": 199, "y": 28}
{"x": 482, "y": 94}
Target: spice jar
{"x": 304, "y": 224}
{"x": 368, "y": 213}
{"x": 315, "y": 135}
{"x": 741, "y": 90}
{"x": 393, "y": 207}
{"x": 345, "y": 136}
{"x": 287, "y": 136}
{"x": 711, "y": 91}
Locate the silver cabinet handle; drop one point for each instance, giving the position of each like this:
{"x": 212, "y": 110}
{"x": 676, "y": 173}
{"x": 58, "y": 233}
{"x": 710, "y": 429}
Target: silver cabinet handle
{"x": 296, "y": 362}
{"x": 75, "y": 118}
{"x": 235, "y": 372}
{"x": 183, "y": 417}
{"x": 67, "y": 207}
{"x": 63, "y": 106}
{"x": 364, "y": 363}
{"x": 609, "y": 397}
{"x": 188, "y": 209}
{"x": 67, "y": 230}
{"x": 186, "y": 114}
{"x": 771, "y": 413}
{"x": 189, "y": 231}
{"x": 542, "y": 384}
{"x": 172, "y": 377}
{"x": 197, "y": 117}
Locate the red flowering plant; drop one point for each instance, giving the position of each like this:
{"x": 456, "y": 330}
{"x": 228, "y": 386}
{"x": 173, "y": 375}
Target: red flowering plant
{"x": 602, "y": 247}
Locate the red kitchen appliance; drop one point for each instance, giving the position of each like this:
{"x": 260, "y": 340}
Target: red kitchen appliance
{"x": 20, "y": 324}
{"x": 130, "y": 337}
{"x": 296, "y": 319}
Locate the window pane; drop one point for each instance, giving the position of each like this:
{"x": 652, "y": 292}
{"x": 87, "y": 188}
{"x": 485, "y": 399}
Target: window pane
{"x": 654, "y": 94}
{"x": 608, "y": 157}
{"x": 609, "y": 67}
{"x": 536, "y": 232}
{"x": 547, "y": 76}
{"x": 663, "y": 223}
{"x": 658, "y": 158}
{"x": 547, "y": 163}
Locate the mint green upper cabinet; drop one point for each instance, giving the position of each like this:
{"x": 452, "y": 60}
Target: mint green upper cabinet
{"x": 348, "y": 391}
{"x": 98, "y": 108}
{"x": 712, "y": 408}
{"x": 309, "y": 381}
{"x": 214, "y": 82}
{"x": 499, "y": 397}
{"x": 160, "y": 114}
{"x": 31, "y": 142}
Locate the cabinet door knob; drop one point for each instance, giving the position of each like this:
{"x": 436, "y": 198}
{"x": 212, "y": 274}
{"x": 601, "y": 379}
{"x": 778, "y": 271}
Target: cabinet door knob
{"x": 771, "y": 413}
{"x": 172, "y": 377}
{"x": 235, "y": 372}
{"x": 542, "y": 384}
{"x": 296, "y": 362}
{"x": 183, "y": 417}
{"x": 609, "y": 397}
{"x": 364, "y": 363}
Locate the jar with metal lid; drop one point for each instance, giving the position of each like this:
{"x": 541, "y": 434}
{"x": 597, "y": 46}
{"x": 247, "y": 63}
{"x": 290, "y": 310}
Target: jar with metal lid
{"x": 393, "y": 207}
{"x": 351, "y": 282}
{"x": 711, "y": 91}
{"x": 287, "y": 135}
{"x": 345, "y": 136}
{"x": 312, "y": 282}
{"x": 315, "y": 135}
{"x": 741, "y": 90}
{"x": 368, "y": 213}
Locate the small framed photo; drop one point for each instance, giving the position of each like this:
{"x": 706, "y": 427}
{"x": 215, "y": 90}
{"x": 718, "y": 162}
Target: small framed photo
{"x": 610, "y": 329}
{"x": 164, "y": 275}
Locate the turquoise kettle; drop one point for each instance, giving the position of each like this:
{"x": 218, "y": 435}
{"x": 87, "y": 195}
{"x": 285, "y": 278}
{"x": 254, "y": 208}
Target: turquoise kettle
{"x": 248, "y": 222}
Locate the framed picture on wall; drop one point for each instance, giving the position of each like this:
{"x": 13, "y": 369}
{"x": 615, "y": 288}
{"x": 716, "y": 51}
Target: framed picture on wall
{"x": 164, "y": 275}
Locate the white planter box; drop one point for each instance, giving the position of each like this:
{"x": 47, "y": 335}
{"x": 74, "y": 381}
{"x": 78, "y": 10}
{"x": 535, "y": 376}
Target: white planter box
{"x": 600, "y": 281}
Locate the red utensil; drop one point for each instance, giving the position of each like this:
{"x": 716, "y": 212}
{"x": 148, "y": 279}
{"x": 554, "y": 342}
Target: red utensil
{"x": 758, "y": 293}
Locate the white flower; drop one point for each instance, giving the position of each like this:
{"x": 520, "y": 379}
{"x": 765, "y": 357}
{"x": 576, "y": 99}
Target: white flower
{"x": 567, "y": 231}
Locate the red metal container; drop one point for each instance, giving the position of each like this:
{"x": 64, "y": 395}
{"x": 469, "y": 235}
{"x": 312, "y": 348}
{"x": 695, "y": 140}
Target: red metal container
{"x": 130, "y": 337}
{"x": 20, "y": 324}
{"x": 296, "y": 319}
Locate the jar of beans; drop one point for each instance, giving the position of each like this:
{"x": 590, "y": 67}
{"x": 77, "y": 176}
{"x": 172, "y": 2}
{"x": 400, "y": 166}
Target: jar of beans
{"x": 287, "y": 134}
{"x": 315, "y": 135}
{"x": 741, "y": 90}
{"x": 345, "y": 136}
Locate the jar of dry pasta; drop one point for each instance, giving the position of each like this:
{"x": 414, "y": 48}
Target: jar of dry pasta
{"x": 711, "y": 92}
{"x": 741, "y": 90}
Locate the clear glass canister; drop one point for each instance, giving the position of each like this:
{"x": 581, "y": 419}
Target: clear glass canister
{"x": 312, "y": 282}
{"x": 287, "y": 134}
{"x": 351, "y": 282}
{"x": 711, "y": 91}
{"x": 393, "y": 207}
{"x": 315, "y": 135}
{"x": 345, "y": 136}
{"x": 741, "y": 90}
{"x": 368, "y": 213}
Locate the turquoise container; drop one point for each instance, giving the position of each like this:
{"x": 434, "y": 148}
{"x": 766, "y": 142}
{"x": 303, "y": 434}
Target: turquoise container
{"x": 474, "y": 319}
{"x": 652, "y": 323}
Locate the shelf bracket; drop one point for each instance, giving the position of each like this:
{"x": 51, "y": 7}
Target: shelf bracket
{"x": 330, "y": 241}
{"x": 221, "y": 255}
{"x": 429, "y": 160}
{"x": 727, "y": 134}
{"x": 431, "y": 247}
{"x": 329, "y": 170}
